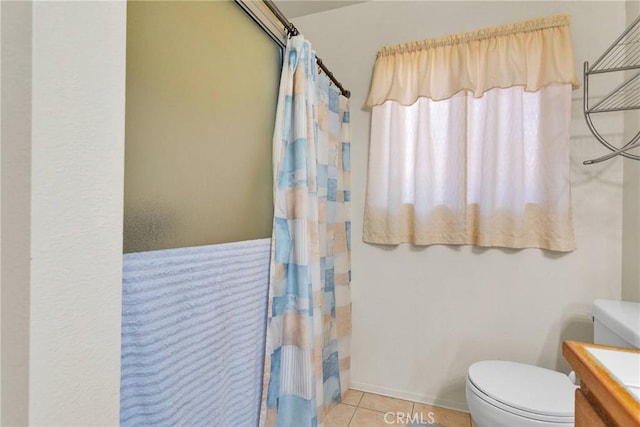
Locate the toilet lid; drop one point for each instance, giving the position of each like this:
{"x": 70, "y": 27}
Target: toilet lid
{"x": 525, "y": 387}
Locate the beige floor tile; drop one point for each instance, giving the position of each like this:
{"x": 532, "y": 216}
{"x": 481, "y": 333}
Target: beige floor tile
{"x": 369, "y": 418}
{"x": 385, "y": 404}
{"x": 352, "y": 397}
{"x": 441, "y": 416}
{"x": 339, "y": 416}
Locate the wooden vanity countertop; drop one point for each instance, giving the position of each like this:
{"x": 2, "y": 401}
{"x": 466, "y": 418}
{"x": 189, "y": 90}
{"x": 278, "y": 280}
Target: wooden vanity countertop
{"x": 608, "y": 396}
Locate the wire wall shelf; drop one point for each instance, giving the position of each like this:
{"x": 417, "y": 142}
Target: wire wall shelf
{"x": 622, "y": 56}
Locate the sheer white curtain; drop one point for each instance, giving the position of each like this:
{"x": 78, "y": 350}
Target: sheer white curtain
{"x": 487, "y": 161}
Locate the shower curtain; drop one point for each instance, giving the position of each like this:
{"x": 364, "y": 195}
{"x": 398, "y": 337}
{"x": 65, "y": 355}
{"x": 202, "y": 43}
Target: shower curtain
{"x": 307, "y": 353}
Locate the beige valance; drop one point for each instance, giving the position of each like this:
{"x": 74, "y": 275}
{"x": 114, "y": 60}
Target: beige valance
{"x": 532, "y": 54}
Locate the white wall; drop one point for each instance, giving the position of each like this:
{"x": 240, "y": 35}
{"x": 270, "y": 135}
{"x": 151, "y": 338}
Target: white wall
{"x": 631, "y": 215}
{"x": 0, "y": 224}
{"x": 422, "y": 315}
{"x": 631, "y": 219}
{"x": 75, "y": 146}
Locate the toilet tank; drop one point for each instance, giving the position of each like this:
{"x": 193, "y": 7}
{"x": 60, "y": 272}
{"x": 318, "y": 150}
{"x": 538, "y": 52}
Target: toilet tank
{"x": 616, "y": 323}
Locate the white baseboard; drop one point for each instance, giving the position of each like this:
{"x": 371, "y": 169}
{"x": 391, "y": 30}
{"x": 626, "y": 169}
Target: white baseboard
{"x": 409, "y": 395}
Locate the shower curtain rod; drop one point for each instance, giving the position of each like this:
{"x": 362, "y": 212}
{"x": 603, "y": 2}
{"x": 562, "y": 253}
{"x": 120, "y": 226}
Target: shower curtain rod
{"x": 293, "y": 31}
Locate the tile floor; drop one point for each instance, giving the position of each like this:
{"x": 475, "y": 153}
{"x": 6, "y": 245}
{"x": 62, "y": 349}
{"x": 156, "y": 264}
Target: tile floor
{"x": 359, "y": 409}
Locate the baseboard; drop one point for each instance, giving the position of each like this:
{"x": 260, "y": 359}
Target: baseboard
{"x": 408, "y": 395}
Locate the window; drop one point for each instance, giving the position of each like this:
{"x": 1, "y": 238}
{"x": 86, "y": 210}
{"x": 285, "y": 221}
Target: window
{"x": 202, "y": 85}
{"x": 470, "y": 139}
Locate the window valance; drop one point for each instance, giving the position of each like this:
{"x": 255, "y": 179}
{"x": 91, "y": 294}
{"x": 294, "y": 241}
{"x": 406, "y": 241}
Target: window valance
{"x": 531, "y": 54}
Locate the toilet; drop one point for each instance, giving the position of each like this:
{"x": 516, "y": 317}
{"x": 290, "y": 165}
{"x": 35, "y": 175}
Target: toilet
{"x": 511, "y": 394}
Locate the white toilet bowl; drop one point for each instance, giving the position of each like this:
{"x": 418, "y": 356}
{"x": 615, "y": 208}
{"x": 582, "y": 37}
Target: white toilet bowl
{"x": 510, "y": 394}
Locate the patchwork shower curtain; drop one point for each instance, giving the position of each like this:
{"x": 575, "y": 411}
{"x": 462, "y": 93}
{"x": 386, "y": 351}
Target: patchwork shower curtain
{"x": 309, "y": 325}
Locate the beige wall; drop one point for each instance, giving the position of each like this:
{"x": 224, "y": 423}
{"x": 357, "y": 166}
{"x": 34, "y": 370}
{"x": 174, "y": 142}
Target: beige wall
{"x": 62, "y": 180}
{"x": 15, "y": 134}
{"x": 631, "y": 215}
{"x": 422, "y": 315}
